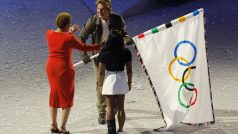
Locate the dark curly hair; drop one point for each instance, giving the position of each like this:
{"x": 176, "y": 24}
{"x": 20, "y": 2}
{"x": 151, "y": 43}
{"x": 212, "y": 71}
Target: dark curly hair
{"x": 115, "y": 40}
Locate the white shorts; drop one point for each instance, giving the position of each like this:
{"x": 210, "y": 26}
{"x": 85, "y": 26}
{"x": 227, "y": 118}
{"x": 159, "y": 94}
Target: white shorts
{"x": 115, "y": 83}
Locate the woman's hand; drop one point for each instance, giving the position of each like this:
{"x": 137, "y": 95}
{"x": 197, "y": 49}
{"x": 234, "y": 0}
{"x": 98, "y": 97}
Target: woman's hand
{"x": 129, "y": 85}
{"x": 74, "y": 28}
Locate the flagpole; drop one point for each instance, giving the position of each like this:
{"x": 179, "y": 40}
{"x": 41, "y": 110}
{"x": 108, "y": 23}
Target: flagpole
{"x": 91, "y": 58}
{"x": 81, "y": 62}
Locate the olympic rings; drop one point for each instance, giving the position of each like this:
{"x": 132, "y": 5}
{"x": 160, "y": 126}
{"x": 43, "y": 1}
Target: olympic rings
{"x": 186, "y": 63}
{"x": 195, "y": 52}
{"x": 170, "y": 66}
{"x": 191, "y": 103}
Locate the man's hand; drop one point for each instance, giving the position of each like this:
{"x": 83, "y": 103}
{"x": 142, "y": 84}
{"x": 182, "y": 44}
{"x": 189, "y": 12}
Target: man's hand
{"x": 86, "y": 59}
{"x": 128, "y": 40}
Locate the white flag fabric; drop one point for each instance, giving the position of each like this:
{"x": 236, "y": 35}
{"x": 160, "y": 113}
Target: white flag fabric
{"x": 174, "y": 58}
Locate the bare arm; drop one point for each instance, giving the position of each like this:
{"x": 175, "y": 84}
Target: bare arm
{"x": 129, "y": 73}
{"x": 78, "y": 44}
{"x": 102, "y": 68}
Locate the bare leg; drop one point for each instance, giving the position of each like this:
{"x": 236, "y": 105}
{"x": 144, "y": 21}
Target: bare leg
{"x": 121, "y": 112}
{"x": 111, "y": 124}
{"x": 65, "y": 115}
{"x": 110, "y": 99}
{"x": 53, "y": 115}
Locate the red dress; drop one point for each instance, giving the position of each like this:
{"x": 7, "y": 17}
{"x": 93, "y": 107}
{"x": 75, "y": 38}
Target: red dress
{"x": 59, "y": 67}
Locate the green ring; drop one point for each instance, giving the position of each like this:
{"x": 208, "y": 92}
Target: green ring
{"x": 179, "y": 99}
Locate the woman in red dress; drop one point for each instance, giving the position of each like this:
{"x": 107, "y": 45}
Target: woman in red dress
{"x": 60, "y": 70}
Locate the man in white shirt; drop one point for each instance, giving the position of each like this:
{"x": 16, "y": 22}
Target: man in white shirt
{"x": 98, "y": 26}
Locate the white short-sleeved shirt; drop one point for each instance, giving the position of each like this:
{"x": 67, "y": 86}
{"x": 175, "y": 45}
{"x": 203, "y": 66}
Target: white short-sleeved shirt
{"x": 105, "y": 30}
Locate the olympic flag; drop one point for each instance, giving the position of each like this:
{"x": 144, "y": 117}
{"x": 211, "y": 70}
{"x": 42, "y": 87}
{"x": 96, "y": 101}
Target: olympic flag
{"x": 174, "y": 58}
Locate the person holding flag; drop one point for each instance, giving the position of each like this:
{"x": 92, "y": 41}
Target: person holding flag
{"x": 99, "y": 26}
{"x": 113, "y": 82}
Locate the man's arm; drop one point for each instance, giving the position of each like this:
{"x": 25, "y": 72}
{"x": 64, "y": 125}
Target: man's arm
{"x": 87, "y": 29}
{"x": 84, "y": 34}
{"x": 127, "y": 39}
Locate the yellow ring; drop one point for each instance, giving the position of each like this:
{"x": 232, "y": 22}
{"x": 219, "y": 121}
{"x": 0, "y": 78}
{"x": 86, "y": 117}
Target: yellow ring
{"x": 170, "y": 66}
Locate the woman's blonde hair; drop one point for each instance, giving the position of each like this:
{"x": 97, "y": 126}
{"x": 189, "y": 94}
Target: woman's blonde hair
{"x": 63, "y": 19}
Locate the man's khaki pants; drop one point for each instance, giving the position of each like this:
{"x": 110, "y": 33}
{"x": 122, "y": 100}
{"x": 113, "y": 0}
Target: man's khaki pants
{"x": 101, "y": 103}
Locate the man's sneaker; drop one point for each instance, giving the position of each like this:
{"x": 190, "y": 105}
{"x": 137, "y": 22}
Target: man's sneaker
{"x": 101, "y": 121}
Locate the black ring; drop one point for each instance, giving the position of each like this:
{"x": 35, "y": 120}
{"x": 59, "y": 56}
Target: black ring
{"x": 190, "y": 89}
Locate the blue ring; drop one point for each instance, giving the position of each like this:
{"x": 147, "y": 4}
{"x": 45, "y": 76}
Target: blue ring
{"x": 195, "y": 52}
